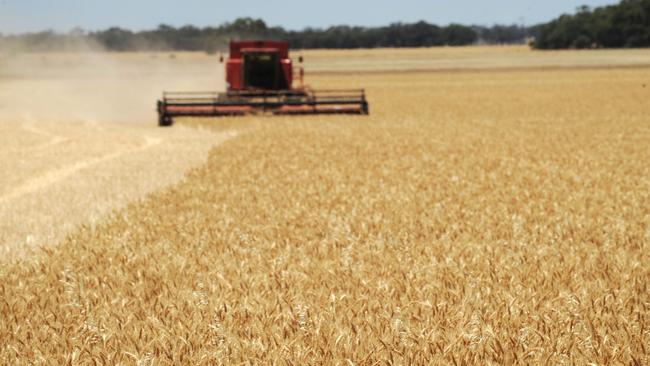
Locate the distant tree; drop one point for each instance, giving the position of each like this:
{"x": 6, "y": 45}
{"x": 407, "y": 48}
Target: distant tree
{"x": 116, "y": 39}
{"x": 504, "y": 34}
{"x": 245, "y": 27}
{"x": 77, "y": 32}
{"x": 458, "y": 35}
{"x": 624, "y": 25}
{"x": 210, "y": 39}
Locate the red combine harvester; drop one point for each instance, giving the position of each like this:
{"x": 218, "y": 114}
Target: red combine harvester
{"x": 260, "y": 80}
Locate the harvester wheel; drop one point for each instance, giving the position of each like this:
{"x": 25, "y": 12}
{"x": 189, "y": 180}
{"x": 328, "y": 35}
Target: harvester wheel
{"x": 165, "y": 121}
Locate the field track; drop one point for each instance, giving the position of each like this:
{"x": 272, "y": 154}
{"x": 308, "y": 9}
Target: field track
{"x": 475, "y": 217}
{"x": 68, "y": 174}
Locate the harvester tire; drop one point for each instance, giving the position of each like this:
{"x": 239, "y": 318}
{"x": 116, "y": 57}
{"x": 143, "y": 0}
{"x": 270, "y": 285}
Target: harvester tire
{"x": 165, "y": 121}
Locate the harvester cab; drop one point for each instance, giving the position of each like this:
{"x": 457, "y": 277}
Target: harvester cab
{"x": 261, "y": 71}
{"x": 259, "y": 65}
{"x": 260, "y": 80}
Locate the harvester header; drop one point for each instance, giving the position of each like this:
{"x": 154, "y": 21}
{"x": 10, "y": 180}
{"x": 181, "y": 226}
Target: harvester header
{"x": 260, "y": 80}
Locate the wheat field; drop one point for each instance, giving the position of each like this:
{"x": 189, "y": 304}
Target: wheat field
{"x": 492, "y": 216}
{"x": 467, "y": 58}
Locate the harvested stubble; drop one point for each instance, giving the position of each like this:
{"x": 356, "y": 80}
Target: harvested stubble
{"x": 473, "y": 218}
{"x": 60, "y": 175}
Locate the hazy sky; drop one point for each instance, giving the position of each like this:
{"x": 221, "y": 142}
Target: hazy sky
{"x": 62, "y": 15}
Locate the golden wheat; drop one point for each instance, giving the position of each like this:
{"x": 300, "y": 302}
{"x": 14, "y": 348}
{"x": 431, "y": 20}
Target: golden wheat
{"x": 494, "y": 217}
{"x": 466, "y": 58}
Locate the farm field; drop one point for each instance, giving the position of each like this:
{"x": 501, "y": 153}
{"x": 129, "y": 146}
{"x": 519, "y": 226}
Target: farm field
{"x": 468, "y": 58}
{"x": 480, "y": 215}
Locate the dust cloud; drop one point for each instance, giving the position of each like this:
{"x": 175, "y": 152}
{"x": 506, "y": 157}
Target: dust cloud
{"x": 99, "y": 86}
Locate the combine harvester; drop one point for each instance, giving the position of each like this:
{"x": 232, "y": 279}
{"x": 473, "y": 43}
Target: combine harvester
{"x": 259, "y": 79}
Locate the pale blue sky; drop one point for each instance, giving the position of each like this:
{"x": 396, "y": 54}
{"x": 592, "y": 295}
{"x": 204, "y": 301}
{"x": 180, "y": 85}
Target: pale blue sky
{"x": 18, "y": 16}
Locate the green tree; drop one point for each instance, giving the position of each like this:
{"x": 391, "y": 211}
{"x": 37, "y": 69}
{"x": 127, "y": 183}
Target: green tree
{"x": 458, "y": 35}
{"x": 624, "y": 25}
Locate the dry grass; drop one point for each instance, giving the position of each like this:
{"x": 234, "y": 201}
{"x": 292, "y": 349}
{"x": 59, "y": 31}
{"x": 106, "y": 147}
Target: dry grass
{"x": 474, "y": 218}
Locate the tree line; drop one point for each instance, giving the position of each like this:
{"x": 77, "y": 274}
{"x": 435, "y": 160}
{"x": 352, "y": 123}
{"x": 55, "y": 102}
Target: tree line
{"x": 626, "y": 24}
{"x": 212, "y": 39}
